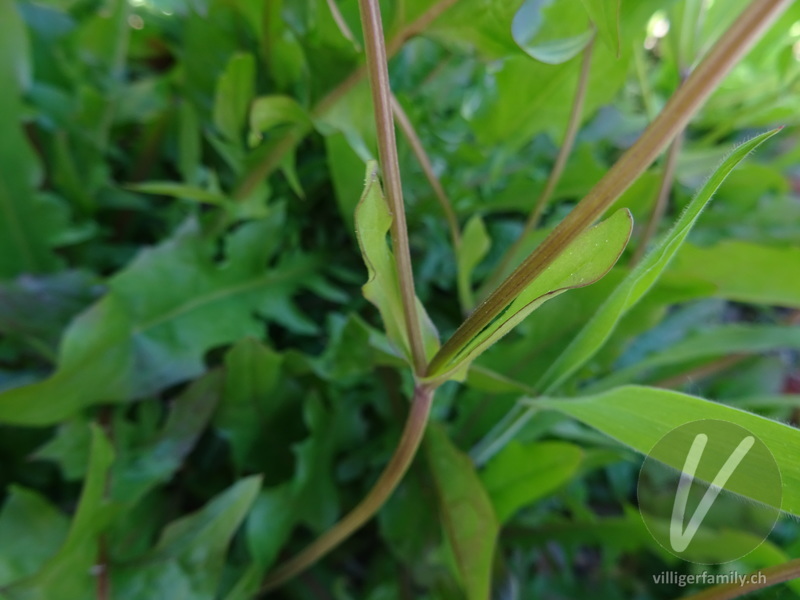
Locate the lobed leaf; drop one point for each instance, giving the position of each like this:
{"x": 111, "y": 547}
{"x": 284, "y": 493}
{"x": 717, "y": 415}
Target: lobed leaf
{"x": 160, "y": 316}
{"x": 382, "y": 289}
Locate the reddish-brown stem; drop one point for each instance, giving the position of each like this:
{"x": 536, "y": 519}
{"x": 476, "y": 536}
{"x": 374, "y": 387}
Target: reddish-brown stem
{"x": 739, "y": 38}
{"x": 378, "y": 69}
{"x": 392, "y": 475}
{"x": 760, "y": 580}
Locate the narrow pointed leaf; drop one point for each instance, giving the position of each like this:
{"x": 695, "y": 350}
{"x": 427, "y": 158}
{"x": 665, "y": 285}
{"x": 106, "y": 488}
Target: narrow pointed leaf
{"x": 595, "y": 333}
{"x": 640, "y": 416}
{"x": 68, "y": 573}
{"x": 709, "y": 344}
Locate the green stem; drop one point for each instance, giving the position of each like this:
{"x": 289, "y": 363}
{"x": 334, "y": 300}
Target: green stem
{"x": 557, "y": 171}
{"x": 739, "y": 38}
{"x": 771, "y": 576}
{"x": 378, "y": 69}
{"x": 372, "y": 502}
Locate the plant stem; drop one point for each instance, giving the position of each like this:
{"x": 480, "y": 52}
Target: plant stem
{"x": 662, "y": 198}
{"x": 772, "y": 576}
{"x": 380, "y": 492}
{"x": 387, "y": 151}
{"x": 739, "y": 38}
{"x": 402, "y": 120}
{"x": 262, "y": 168}
{"x": 556, "y": 172}
{"x": 422, "y": 157}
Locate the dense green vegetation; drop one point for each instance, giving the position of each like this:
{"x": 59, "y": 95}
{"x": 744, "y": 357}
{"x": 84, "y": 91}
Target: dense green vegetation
{"x": 194, "y": 386}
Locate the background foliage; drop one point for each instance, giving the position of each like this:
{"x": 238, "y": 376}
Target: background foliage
{"x": 192, "y": 382}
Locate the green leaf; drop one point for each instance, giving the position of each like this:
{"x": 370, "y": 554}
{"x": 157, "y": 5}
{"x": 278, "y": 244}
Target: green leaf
{"x": 161, "y": 314}
{"x": 188, "y": 560}
{"x": 711, "y": 343}
{"x": 549, "y": 31}
{"x": 639, "y": 281}
{"x": 180, "y": 190}
{"x": 38, "y": 308}
{"x": 29, "y": 221}
{"x": 269, "y": 524}
{"x": 744, "y": 272}
{"x": 234, "y": 93}
{"x": 68, "y": 573}
{"x": 485, "y": 25}
{"x": 475, "y": 244}
{"x": 466, "y": 511}
{"x": 268, "y": 112}
{"x": 139, "y": 469}
{"x": 33, "y": 528}
{"x": 519, "y": 475}
{"x": 588, "y": 258}
{"x": 252, "y": 373}
{"x": 15, "y": 59}
{"x": 605, "y": 16}
{"x": 640, "y": 416}
{"x": 531, "y": 97}
{"x": 69, "y": 448}
{"x": 373, "y": 222}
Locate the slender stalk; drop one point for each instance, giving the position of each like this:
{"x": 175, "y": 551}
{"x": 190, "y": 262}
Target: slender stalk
{"x": 771, "y": 576}
{"x": 262, "y": 168}
{"x": 422, "y": 157}
{"x": 739, "y": 38}
{"x": 556, "y": 172}
{"x": 380, "y": 492}
{"x": 662, "y": 198}
{"x": 402, "y": 120}
{"x": 390, "y": 164}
